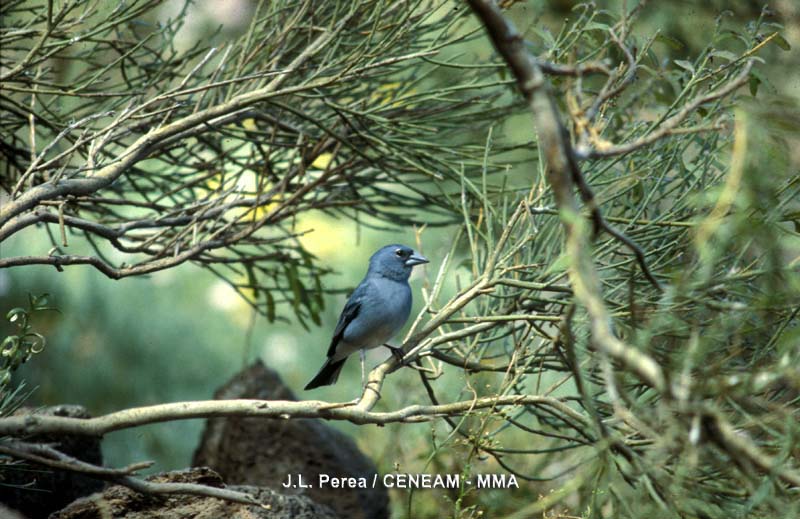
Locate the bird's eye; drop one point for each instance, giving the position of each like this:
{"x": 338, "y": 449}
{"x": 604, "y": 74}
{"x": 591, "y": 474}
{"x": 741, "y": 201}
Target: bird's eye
{"x": 399, "y": 252}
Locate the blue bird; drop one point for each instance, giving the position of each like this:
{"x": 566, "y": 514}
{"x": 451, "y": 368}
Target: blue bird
{"x": 374, "y": 313}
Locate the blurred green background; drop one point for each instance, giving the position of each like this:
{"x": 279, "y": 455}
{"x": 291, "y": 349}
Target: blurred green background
{"x": 180, "y": 334}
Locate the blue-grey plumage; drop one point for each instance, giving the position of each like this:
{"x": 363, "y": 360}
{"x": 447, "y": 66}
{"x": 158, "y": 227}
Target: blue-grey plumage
{"x": 376, "y": 310}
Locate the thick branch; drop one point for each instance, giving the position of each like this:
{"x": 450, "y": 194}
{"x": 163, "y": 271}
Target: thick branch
{"x": 282, "y": 409}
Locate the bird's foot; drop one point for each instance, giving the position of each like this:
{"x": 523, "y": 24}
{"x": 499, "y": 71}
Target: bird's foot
{"x": 397, "y": 353}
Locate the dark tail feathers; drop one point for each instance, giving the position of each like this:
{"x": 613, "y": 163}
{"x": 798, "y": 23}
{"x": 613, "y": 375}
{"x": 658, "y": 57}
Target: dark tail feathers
{"x": 328, "y": 375}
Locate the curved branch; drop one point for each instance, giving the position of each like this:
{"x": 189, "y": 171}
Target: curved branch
{"x": 739, "y": 447}
{"x": 145, "y": 144}
{"x": 668, "y": 127}
{"x": 50, "y": 457}
{"x": 280, "y": 409}
{"x": 61, "y": 261}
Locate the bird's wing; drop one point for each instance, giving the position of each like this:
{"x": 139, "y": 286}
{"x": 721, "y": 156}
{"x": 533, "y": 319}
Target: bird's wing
{"x": 349, "y": 313}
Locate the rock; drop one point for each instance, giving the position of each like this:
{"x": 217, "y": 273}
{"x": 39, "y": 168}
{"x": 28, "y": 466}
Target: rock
{"x": 121, "y": 502}
{"x": 7, "y": 513}
{"x": 264, "y": 452}
{"x": 37, "y": 491}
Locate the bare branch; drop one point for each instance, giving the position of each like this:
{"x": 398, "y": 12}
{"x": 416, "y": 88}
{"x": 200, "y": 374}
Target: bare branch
{"x": 276, "y": 409}
{"x": 50, "y": 457}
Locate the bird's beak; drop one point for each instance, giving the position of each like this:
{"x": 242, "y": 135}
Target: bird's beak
{"x": 416, "y": 259}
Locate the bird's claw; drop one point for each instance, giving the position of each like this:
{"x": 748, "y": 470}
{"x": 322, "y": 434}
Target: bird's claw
{"x": 397, "y": 353}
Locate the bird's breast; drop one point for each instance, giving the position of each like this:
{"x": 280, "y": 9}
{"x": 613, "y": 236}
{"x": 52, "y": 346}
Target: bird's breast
{"x": 381, "y": 315}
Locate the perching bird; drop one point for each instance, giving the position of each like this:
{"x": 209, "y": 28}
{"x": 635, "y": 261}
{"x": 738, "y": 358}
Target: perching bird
{"x": 374, "y": 313}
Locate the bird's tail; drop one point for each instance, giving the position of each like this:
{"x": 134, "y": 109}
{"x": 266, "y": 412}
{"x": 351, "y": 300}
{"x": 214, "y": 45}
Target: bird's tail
{"x": 328, "y": 375}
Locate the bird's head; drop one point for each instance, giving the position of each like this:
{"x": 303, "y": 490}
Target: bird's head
{"x": 395, "y": 262}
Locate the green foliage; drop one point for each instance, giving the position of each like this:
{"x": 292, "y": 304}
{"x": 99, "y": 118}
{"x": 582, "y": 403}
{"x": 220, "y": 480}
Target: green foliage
{"x": 144, "y": 155}
{"x": 712, "y": 205}
{"x": 18, "y": 348}
{"x": 401, "y": 119}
